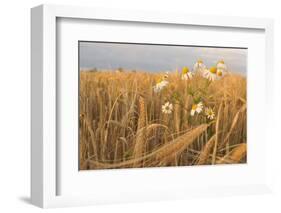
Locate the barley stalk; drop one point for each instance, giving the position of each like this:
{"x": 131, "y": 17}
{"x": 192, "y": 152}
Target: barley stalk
{"x": 204, "y": 154}
{"x": 141, "y": 131}
{"x": 216, "y": 135}
{"x": 236, "y": 155}
{"x": 166, "y": 153}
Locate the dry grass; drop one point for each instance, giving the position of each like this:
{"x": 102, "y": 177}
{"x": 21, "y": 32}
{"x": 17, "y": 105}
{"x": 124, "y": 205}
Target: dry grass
{"x": 122, "y": 125}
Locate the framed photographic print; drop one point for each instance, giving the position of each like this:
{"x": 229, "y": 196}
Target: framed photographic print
{"x": 157, "y": 105}
{"x": 130, "y": 106}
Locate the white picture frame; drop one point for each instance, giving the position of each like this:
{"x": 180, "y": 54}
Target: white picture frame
{"x": 45, "y": 169}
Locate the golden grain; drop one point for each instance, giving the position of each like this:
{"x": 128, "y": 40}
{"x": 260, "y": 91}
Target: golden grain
{"x": 121, "y": 124}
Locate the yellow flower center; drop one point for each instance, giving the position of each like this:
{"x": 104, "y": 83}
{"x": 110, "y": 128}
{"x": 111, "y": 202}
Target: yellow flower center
{"x": 185, "y": 70}
{"x": 221, "y": 61}
{"x": 200, "y": 61}
{"x": 213, "y": 70}
{"x": 194, "y": 106}
{"x": 219, "y": 73}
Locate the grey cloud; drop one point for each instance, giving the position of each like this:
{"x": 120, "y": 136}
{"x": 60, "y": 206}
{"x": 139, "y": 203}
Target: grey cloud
{"x": 157, "y": 57}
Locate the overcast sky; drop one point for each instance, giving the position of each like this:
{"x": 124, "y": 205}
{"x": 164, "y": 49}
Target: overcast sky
{"x": 156, "y": 58}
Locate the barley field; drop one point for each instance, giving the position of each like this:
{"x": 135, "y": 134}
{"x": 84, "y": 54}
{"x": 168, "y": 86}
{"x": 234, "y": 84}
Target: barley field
{"x": 131, "y": 119}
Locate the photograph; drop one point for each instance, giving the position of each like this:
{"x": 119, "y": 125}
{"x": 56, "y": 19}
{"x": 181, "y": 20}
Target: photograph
{"x": 161, "y": 105}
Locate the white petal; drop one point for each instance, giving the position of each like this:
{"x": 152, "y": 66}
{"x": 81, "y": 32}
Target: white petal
{"x": 195, "y": 67}
{"x": 202, "y": 66}
{"x": 184, "y": 77}
{"x": 192, "y": 112}
{"x": 221, "y": 66}
{"x": 165, "y": 83}
{"x": 171, "y": 106}
{"x": 207, "y": 74}
{"x": 156, "y": 89}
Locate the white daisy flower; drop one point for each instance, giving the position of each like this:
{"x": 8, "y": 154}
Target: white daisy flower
{"x": 186, "y": 74}
{"x": 221, "y": 65}
{"x": 221, "y": 69}
{"x": 161, "y": 85}
{"x": 220, "y": 73}
{"x": 156, "y": 88}
{"x": 210, "y": 74}
{"x": 199, "y": 66}
{"x": 196, "y": 108}
{"x": 209, "y": 113}
{"x": 167, "y": 108}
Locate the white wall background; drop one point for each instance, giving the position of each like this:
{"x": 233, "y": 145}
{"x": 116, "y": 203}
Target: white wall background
{"x": 15, "y": 104}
